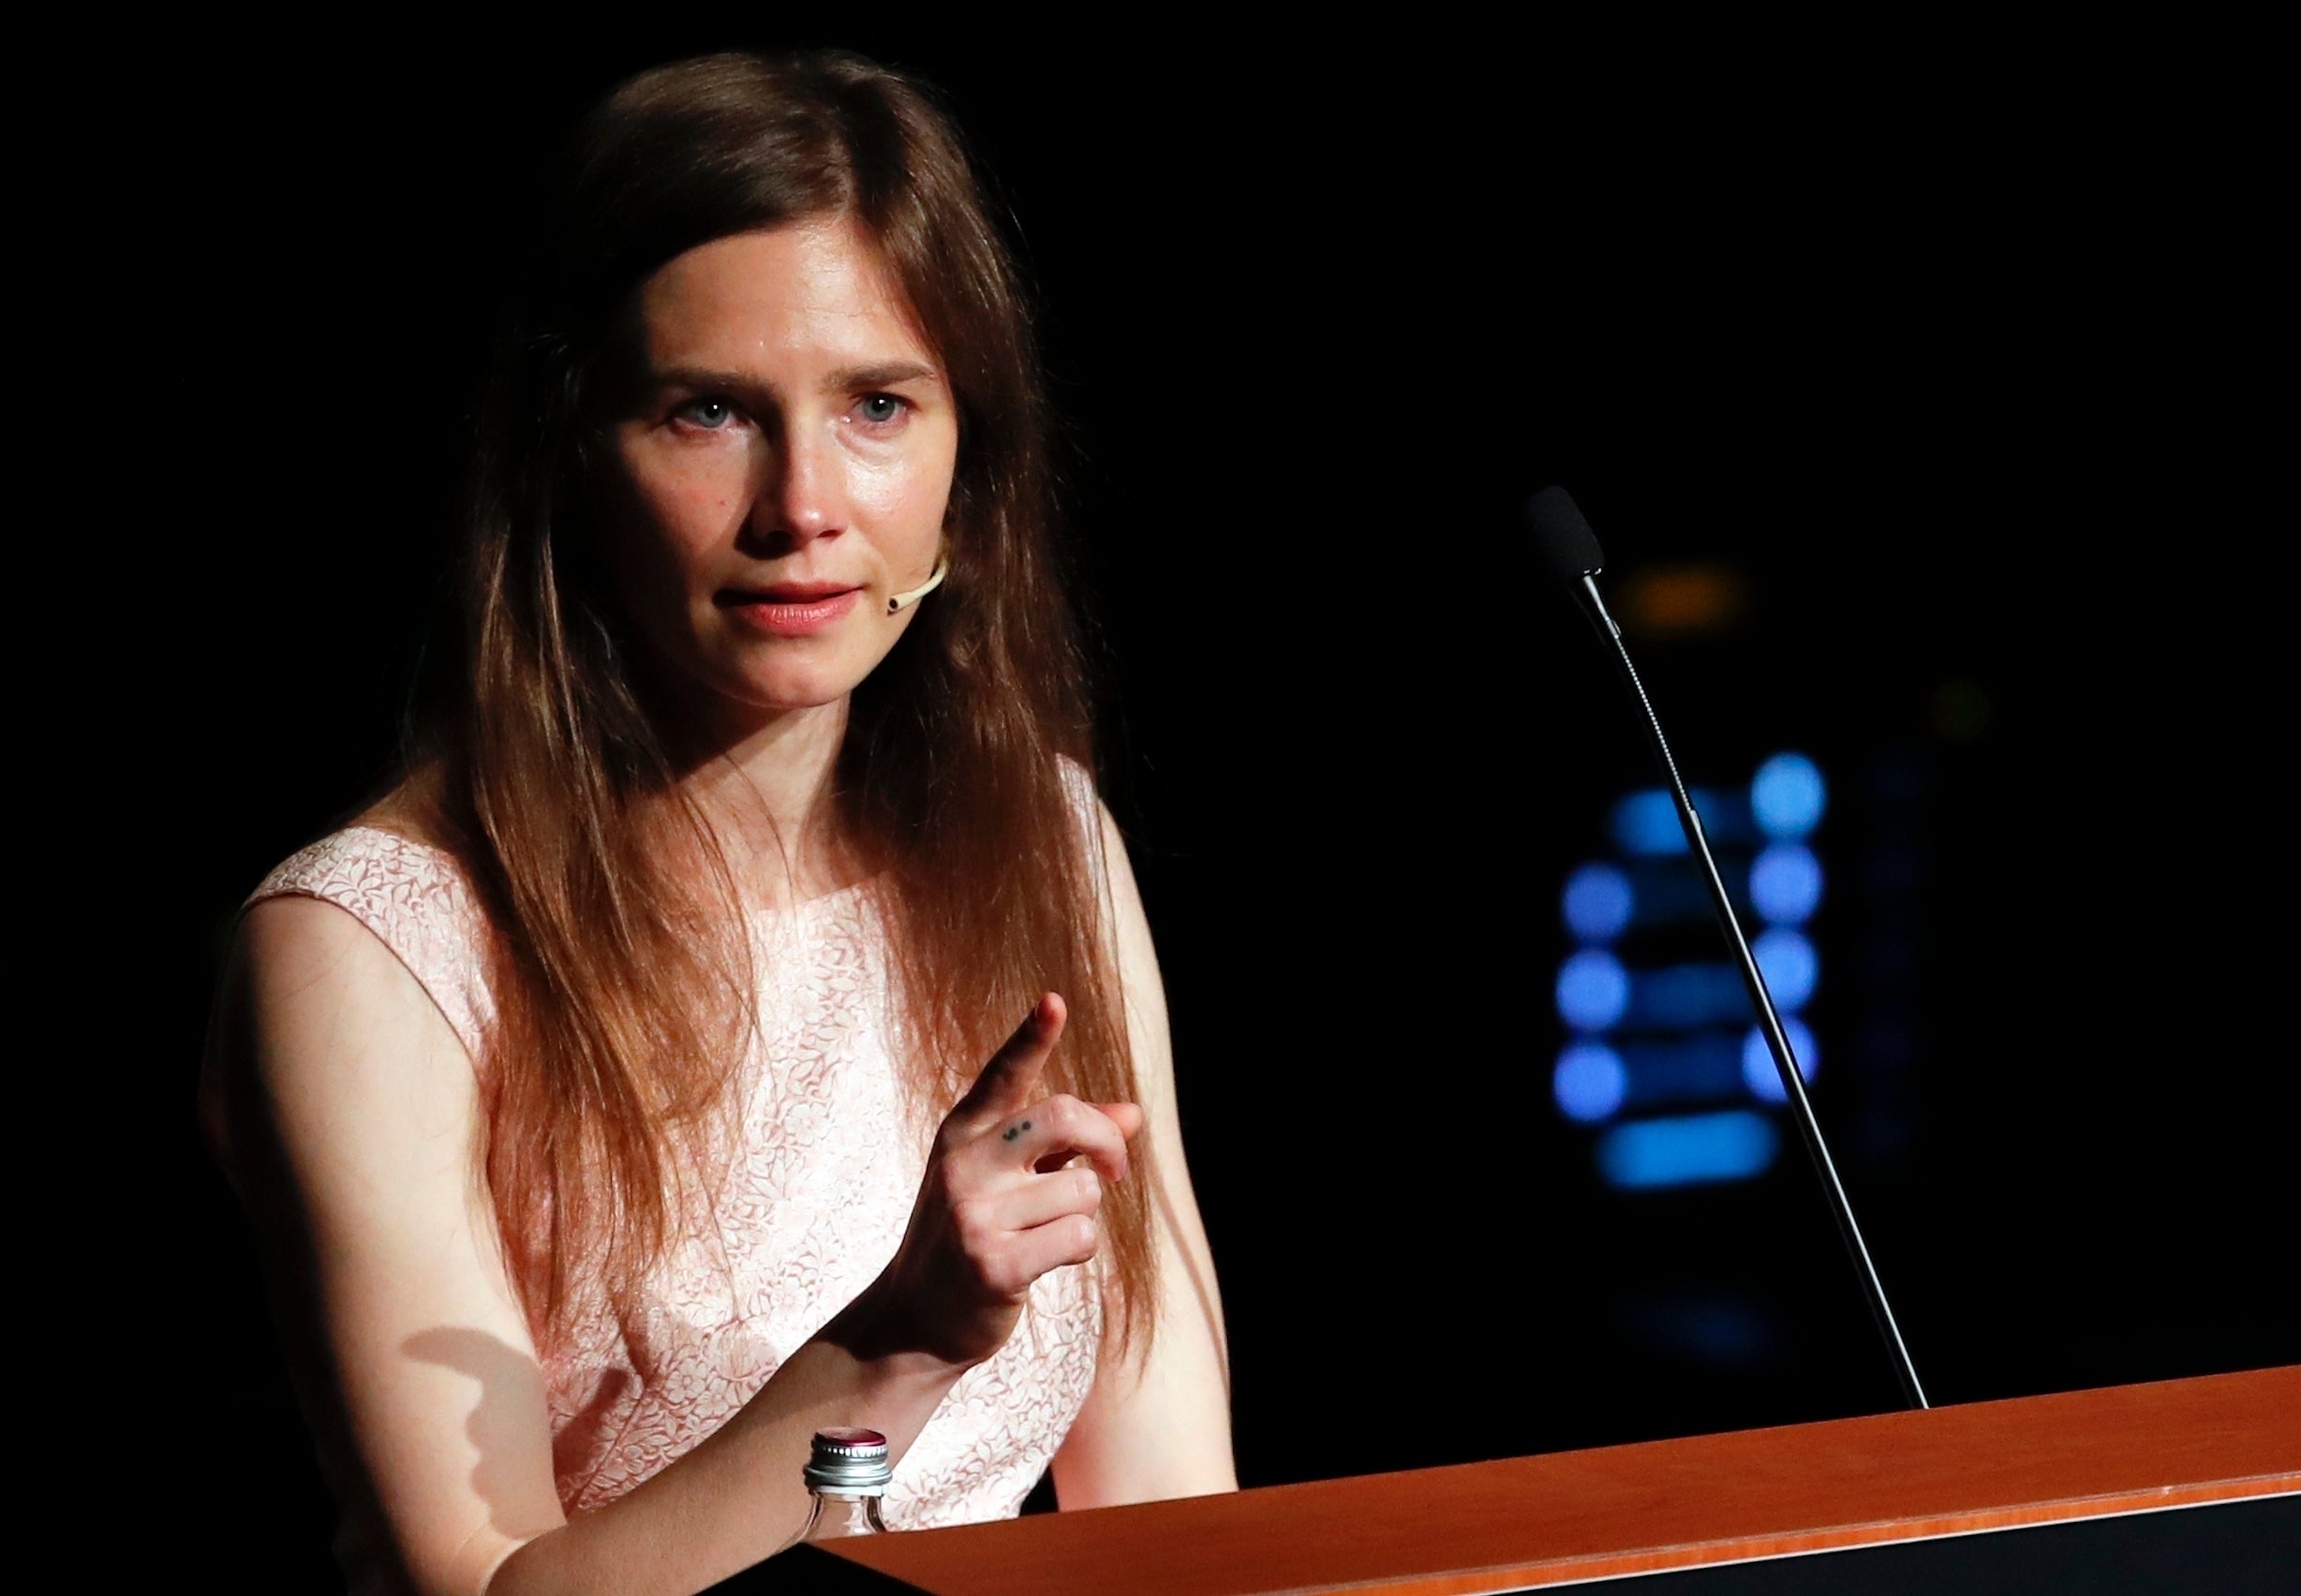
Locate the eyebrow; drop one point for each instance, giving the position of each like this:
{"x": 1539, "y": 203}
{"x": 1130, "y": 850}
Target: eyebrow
{"x": 892, "y": 374}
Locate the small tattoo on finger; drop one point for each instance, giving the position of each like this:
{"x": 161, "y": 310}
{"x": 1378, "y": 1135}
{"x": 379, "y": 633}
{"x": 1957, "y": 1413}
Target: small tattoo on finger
{"x": 1014, "y": 1130}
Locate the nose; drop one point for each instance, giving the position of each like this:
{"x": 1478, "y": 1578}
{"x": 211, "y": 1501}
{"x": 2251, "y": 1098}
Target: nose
{"x": 799, "y": 494}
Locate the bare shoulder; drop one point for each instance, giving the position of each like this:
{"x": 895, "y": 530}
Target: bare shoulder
{"x": 342, "y": 1044}
{"x": 338, "y": 1096}
{"x": 305, "y": 967}
{"x": 349, "y": 1115}
{"x": 320, "y": 1028}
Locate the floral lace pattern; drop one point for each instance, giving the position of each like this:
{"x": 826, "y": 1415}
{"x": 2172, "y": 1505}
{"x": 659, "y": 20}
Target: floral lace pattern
{"x": 811, "y": 1206}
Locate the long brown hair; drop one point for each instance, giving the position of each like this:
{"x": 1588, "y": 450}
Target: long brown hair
{"x": 620, "y": 987}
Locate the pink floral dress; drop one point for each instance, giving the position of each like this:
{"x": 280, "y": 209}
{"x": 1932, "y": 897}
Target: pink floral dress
{"x": 812, "y": 1208}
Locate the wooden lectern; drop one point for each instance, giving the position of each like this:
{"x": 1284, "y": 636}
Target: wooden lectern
{"x": 1897, "y": 1479}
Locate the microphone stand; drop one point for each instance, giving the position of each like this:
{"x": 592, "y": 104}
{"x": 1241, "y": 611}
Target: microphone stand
{"x": 1769, "y": 1020}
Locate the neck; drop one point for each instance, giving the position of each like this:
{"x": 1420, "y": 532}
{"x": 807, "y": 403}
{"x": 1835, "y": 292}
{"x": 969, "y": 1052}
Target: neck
{"x": 765, "y": 787}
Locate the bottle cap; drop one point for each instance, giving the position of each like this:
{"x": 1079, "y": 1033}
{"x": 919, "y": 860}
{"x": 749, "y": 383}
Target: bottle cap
{"x": 849, "y": 1462}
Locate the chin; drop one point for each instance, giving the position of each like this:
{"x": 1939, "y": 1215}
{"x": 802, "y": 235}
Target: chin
{"x": 784, "y": 680}
{"x": 788, "y": 697}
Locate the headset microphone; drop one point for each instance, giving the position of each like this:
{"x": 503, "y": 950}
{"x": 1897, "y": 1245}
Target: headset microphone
{"x": 902, "y": 601}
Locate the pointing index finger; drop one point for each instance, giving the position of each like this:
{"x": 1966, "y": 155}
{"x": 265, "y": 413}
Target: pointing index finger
{"x": 1012, "y": 1073}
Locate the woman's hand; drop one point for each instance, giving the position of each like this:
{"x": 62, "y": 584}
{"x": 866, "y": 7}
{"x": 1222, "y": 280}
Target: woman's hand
{"x": 1002, "y": 1203}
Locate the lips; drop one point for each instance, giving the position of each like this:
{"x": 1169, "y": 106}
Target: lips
{"x": 786, "y": 593}
{"x": 789, "y": 609}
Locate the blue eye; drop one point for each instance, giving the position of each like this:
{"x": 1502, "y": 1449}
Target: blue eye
{"x": 709, "y": 414}
{"x": 880, "y": 408}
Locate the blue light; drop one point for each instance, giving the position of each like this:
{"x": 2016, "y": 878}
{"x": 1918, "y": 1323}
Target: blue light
{"x": 1592, "y": 990}
{"x": 1786, "y": 884}
{"x": 1589, "y": 1082}
{"x": 1788, "y": 796}
{"x": 1681, "y": 996}
{"x": 1598, "y": 902}
{"x": 1646, "y": 824}
{"x": 1758, "y": 1071}
{"x": 1789, "y": 965}
{"x": 1731, "y": 1146}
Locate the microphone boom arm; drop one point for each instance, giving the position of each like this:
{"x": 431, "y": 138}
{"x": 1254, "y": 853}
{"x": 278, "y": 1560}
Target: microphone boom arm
{"x": 1769, "y": 1019}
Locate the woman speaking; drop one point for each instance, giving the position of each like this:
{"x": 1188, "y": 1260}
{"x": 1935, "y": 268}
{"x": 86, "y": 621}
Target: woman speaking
{"x": 738, "y": 1019}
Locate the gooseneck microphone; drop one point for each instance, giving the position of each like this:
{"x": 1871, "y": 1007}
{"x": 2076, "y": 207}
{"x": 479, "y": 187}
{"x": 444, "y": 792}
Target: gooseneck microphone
{"x": 1572, "y": 551}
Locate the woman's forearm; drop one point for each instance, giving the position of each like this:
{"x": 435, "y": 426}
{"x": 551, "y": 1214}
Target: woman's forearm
{"x": 738, "y": 1496}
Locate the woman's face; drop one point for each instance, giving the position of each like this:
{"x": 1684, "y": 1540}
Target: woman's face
{"x": 782, "y": 450}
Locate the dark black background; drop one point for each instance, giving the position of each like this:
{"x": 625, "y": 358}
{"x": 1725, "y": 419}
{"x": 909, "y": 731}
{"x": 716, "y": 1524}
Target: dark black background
{"x": 1958, "y": 348}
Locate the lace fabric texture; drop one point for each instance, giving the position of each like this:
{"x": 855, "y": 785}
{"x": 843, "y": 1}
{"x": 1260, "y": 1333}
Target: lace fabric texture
{"x": 813, "y": 1206}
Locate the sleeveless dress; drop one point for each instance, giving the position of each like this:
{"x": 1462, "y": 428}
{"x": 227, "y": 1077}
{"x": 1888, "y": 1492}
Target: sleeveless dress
{"x": 811, "y": 1207}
